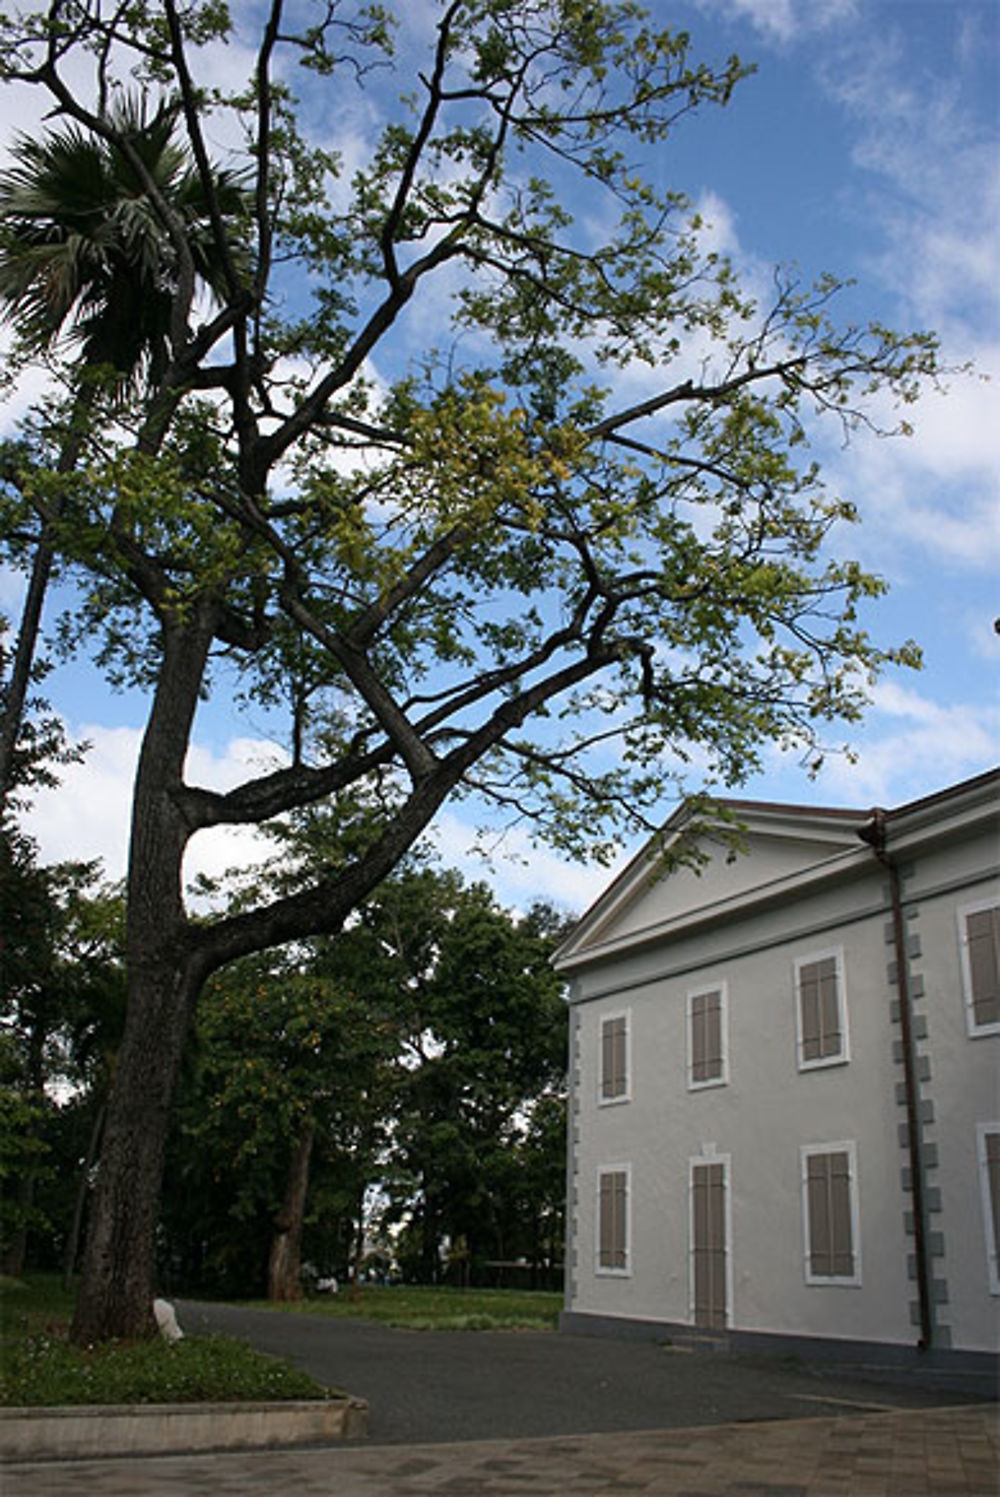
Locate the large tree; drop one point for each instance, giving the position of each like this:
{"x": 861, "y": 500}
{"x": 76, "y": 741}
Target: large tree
{"x": 419, "y": 1059}
{"x": 288, "y": 1082}
{"x": 503, "y": 569}
{"x": 485, "y": 1054}
{"x": 85, "y": 257}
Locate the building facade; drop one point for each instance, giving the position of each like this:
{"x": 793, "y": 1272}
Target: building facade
{"x": 785, "y": 1093}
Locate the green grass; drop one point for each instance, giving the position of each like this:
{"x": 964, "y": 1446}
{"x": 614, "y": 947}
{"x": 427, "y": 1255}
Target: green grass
{"x": 426, "y": 1308}
{"x": 39, "y": 1367}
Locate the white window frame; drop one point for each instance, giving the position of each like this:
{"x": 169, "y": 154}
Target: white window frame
{"x": 844, "y": 1054}
{"x": 601, "y": 1270}
{"x": 832, "y": 1281}
{"x": 723, "y": 1077}
{"x": 984, "y": 1130}
{"x": 975, "y": 1031}
{"x": 626, "y": 1095}
{"x": 710, "y": 1157}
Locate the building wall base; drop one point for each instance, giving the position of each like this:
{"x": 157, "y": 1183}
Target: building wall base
{"x": 976, "y": 1373}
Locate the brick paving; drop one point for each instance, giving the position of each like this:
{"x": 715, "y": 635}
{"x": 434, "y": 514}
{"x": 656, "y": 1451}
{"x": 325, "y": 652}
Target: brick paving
{"x": 932, "y": 1452}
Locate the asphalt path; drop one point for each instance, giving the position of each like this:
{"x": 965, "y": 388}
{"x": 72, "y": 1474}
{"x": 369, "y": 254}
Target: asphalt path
{"x": 427, "y": 1387}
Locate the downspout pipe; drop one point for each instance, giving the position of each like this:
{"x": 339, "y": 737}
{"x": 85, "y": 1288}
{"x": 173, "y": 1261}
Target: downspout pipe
{"x": 874, "y": 834}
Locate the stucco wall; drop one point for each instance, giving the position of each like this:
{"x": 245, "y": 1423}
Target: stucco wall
{"x": 769, "y": 1109}
{"x": 962, "y": 1082}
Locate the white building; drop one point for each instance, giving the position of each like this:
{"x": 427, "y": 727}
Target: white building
{"x": 773, "y": 1141}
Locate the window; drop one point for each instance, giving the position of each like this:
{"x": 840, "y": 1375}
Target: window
{"x": 979, "y": 936}
{"x": 614, "y": 1086}
{"x": 820, "y": 1011}
{"x": 709, "y": 1238}
{"x": 830, "y": 1213}
{"x": 989, "y": 1179}
{"x": 613, "y": 1219}
{"x": 708, "y": 1060}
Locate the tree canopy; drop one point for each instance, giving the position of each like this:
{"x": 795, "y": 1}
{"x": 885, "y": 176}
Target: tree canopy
{"x": 573, "y": 545}
{"x": 401, "y": 1085}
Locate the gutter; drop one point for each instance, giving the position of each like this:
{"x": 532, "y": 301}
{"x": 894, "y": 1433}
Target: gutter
{"x": 874, "y": 834}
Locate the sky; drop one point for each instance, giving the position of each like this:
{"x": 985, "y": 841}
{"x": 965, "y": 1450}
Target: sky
{"x": 867, "y": 143}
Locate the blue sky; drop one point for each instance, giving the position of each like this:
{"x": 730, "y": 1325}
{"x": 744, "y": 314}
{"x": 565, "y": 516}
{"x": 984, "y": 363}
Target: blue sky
{"x": 867, "y": 143}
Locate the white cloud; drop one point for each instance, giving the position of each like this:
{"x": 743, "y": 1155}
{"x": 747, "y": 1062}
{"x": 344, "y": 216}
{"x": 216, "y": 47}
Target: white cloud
{"x": 981, "y": 634}
{"x": 913, "y": 746}
{"x": 933, "y": 496}
{"x": 519, "y": 872}
{"x": 930, "y": 163}
{"x": 31, "y": 386}
{"x": 785, "y": 20}
{"x": 88, "y": 815}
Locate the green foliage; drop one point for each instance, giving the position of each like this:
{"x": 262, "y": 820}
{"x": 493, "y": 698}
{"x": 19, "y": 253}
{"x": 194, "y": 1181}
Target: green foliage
{"x": 279, "y": 1045}
{"x": 61, "y": 1009}
{"x": 40, "y": 748}
{"x": 24, "y": 1149}
{"x": 480, "y": 1063}
{"x": 62, "y": 992}
{"x": 426, "y": 1043}
{"x": 86, "y": 243}
{"x": 40, "y": 1368}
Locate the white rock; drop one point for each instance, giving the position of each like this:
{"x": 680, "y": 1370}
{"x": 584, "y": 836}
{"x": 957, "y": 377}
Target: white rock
{"x": 166, "y": 1319}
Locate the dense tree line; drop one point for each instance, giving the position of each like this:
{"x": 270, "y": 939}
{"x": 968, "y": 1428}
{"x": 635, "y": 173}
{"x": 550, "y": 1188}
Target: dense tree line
{"x": 394, "y": 1097}
{"x": 393, "y": 1100}
{"x": 62, "y": 1000}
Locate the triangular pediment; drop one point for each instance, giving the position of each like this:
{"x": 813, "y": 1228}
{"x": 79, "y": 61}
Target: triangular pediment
{"x": 781, "y": 846}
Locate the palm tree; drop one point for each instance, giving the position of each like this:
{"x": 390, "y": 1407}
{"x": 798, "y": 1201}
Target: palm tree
{"x": 86, "y": 257}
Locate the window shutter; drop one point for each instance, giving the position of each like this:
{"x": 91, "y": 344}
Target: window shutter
{"x": 992, "y": 1142}
{"x": 828, "y": 1192}
{"x": 620, "y": 1203}
{"x": 612, "y": 1214}
{"x": 818, "y": 1195}
{"x": 819, "y": 1004}
{"x": 809, "y": 1002}
{"x": 614, "y": 1077}
{"x": 607, "y": 1059}
{"x": 706, "y": 1036}
{"x": 829, "y": 1007}
{"x": 699, "y": 1037}
{"x": 606, "y": 1223}
{"x": 841, "y": 1246}
{"x": 982, "y": 928}
{"x": 708, "y": 1202}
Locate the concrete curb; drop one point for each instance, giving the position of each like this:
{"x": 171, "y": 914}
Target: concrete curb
{"x": 72, "y": 1432}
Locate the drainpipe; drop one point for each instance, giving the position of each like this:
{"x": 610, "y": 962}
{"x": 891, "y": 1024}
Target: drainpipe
{"x": 875, "y": 835}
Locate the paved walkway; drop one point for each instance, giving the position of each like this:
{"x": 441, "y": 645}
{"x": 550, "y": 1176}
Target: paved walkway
{"x": 437, "y": 1388}
{"x": 911, "y": 1453}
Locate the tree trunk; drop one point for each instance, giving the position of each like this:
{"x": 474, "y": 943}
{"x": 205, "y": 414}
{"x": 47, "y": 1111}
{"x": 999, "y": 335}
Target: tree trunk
{"x": 72, "y": 1251}
{"x": 16, "y": 693}
{"x": 17, "y": 1250}
{"x": 164, "y": 978}
{"x": 119, "y": 1266}
{"x": 357, "y": 1250}
{"x": 284, "y": 1280}
{"x": 24, "y": 656}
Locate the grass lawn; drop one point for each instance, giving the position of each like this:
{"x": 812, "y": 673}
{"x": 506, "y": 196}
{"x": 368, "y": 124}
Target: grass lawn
{"x": 39, "y": 1368}
{"x": 421, "y": 1307}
